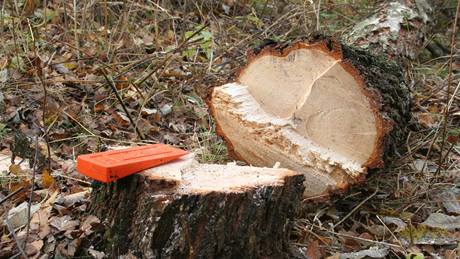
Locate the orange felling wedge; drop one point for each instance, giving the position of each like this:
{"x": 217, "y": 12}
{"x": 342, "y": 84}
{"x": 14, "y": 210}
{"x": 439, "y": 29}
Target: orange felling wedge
{"x": 115, "y": 164}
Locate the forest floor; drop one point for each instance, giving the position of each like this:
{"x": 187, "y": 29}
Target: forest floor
{"x": 56, "y": 66}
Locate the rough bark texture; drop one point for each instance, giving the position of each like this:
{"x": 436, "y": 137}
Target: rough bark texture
{"x": 155, "y": 216}
{"x": 386, "y": 78}
{"x": 397, "y": 29}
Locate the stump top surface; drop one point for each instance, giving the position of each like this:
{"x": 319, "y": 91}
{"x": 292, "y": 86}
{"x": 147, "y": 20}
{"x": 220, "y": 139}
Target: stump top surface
{"x": 192, "y": 177}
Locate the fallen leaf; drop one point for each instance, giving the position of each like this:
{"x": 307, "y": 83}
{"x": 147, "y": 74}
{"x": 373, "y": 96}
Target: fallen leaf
{"x": 430, "y": 167}
{"x": 313, "y": 251}
{"x": 28, "y": 8}
{"x": 47, "y": 179}
{"x": 63, "y": 223}
{"x": 61, "y": 69}
{"x": 51, "y": 199}
{"x": 166, "y": 109}
{"x": 71, "y": 65}
{"x": 3, "y": 75}
{"x": 426, "y": 119}
{"x": 452, "y": 139}
{"x": 96, "y": 254}
{"x": 15, "y": 169}
{"x": 17, "y": 216}
{"x": 442, "y": 221}
{"x": 122, "y": 83}
{"x": 87, "y": 225}
{"x": 449, "y": 200}
{"x": 99, "y": 107}
{"x": 423, "y": 235}
{"x": 72, "y": 199}
{"x": 121, "y": 119}
{"x": 39, "y": 223}
{"x": 400, "y": 224}
{"x": 373, "y": 252}
{"x": 34, "y": 247}
{"x": 147, "y": 111}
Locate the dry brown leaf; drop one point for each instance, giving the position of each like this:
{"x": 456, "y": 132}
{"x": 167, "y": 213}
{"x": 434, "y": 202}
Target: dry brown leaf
{"x": 15, "y": 169}
{"x": 373, "y": 252}
{"x": 96, "y": 254}
{"x": 122, "y": 83}
{"x": 71, "y": 199}
{"x": 313, "y": 251}
{"x": 29, "y": 8}
{"x": 99, "y": 107}
{"x": 335, "y": 256}
{"x": 121, "y": 119}
{"x": 349, "y": 243}
{"x": 426, "y": 119}
{"x": 39, "y": 222}
{"x": 63, "y": 223}
{"x": 452, "y": 254}
{"x": 86, "y": 226}
{"x": 34, "y": 247}
{"x": 47, "y": 179}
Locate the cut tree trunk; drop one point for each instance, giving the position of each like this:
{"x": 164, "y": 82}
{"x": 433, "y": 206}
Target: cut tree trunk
{"x": 324, "y": 108}
{"x": 190, "y": 210}
{"x": 319, "y": 108}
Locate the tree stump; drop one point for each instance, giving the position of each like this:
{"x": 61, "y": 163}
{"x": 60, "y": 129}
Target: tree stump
{"x": 321, "y": 108}
{"x": 190, "y": 210}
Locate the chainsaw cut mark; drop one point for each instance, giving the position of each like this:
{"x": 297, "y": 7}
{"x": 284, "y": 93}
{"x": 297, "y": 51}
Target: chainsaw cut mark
{"x": 335, "y": 113}
{"x": 308, "y": 90}
{"x": 276, "y": 82}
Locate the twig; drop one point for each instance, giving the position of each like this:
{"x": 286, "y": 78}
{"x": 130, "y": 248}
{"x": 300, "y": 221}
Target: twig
{"x": 443, "y": 158}
{"x": 391, "y": 233}
{"x": 359, "y": 238}
{"x": 11, "y": 194}
{"x": 2, "y": 16}
{"x": 38, "y": 67}
{"x": 355, "y": 208}
{"x": 34, "y": 171}
{"x": 75, "y": 24}
{"x": 79, "y": 124}
{"x": 286, "y": 16}
{"x": 314, "y": 234}
{"x": 317, "y": 15}
{"x": 141, "y": 81}
{"x": 114, "y": 89}
{"x": 449, "y": 82}
{"x": 66, "y": 23}
{"x": 11, "y": 229}
{"x": 72, "y": 178}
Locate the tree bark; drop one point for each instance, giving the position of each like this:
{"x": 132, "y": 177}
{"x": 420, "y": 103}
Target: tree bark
{"x": 185, "y": 210}
{"x": 398, "y": 29}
